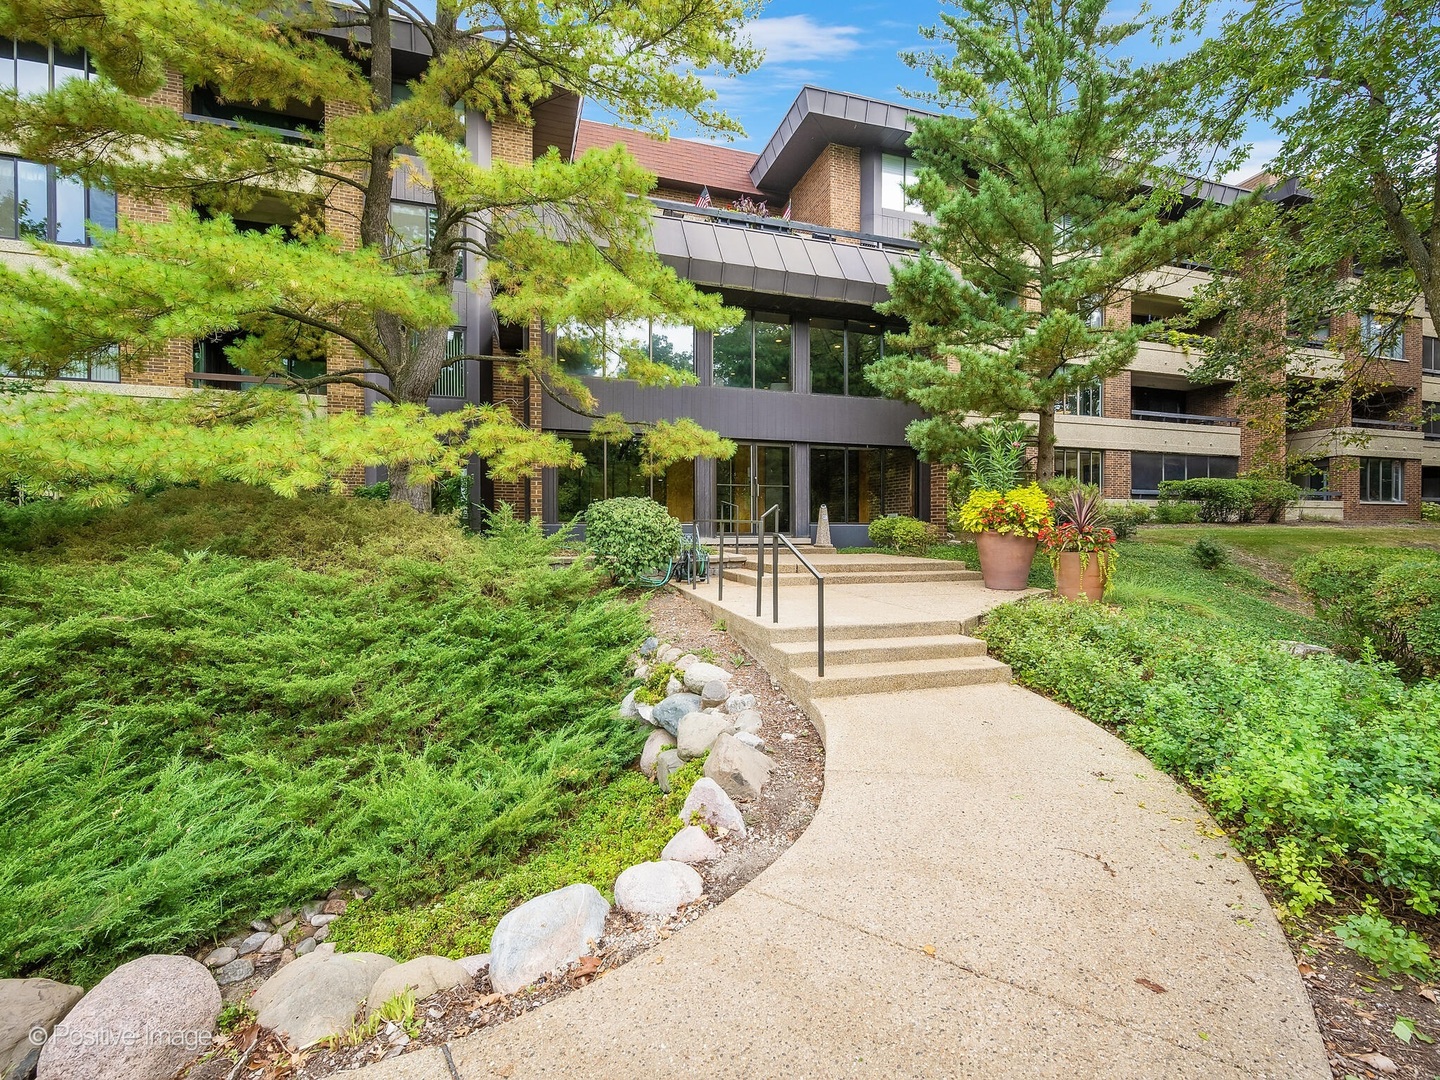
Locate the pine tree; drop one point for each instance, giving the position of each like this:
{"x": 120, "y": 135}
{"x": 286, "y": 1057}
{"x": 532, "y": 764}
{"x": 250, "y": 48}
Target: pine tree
{"x": 563, "y": 241}
{"x": 1045, "y": 183}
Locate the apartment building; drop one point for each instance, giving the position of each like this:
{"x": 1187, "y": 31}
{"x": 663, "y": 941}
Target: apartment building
{"x": 807, "y": 268}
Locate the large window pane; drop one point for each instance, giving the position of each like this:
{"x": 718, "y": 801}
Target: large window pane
{"x": 69, "y": 66}
{"x": 673, "y": 346}
{"x": 863, "y": 347}
{"x": 827, "y": 482}
{"x": 578, "y": 488}
{"x": 69, "y": 212}
{"x": 33, "y": 192}
{"x": 679, "y": 490}
{"x": 579, "y": 351}
{"x": 827, "y": 356}
{"x": 411, "y": 223}
{"x": 32, "y": 68}
{"x": 772, "y": 466}
{"x": 7, "y": 199}
{"x": 732, "y": 355}
{"x": 772, "y": 352}
{"x": 1224, "y": 467}
{"x": 102, "y": 208}
{"x": 1145, "y": 473}
{"x": 892, "y": 183}
{"x": 7, "y": 64}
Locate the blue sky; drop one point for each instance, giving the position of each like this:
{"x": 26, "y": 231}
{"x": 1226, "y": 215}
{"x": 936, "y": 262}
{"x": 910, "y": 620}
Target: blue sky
{"x": 851, "y": 45}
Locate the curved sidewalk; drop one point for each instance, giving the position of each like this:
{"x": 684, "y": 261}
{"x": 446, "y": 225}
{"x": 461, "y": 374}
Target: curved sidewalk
{"x": 993, "y": 886}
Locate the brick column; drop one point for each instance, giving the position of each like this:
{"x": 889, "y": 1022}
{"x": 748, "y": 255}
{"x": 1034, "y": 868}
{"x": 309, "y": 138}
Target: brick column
{"x": 1115, "y": 474}
{"x": 829, "y": 192}
{"x": 938, "y": 510}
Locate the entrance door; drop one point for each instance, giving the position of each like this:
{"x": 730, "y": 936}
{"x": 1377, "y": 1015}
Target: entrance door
{"x": 755, "y": 479}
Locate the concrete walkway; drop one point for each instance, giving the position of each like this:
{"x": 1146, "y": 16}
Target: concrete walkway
{"x": 993, "y": 886}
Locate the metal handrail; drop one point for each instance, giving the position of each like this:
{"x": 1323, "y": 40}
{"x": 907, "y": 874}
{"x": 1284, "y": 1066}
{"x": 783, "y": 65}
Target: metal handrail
{"x": 1183, "y": 418}
{"x": 776, "y": 539}
{"x": 760, "y": 565}
{"x": 819, "y": 601}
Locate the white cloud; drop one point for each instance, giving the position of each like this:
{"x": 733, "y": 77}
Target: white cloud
{"x": 1262, "y": 152}
{"x": 787, "y": 39}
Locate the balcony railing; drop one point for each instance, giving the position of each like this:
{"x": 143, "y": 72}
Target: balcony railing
{"x": 1183, "y": 418}
{"x": 1387, "y": 425}
{"x": 451, "y": 383}
{"x": 671, "y": 208}
{"x": 214, "y": 380}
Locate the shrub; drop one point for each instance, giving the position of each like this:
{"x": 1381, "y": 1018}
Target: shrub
{"x": 997, "y": 460}
{"x": 1393, "y": 949}
{"x": 1430, "y": 511}
{"x": 631, "y": 537}
{"x": 1244, "y": 498}
{"x": 1389, "y": 597}
{"x": 1168, "y": 512}
{"x": 1127, "y": 519}
{"x": 907, "y": 535}
{"x": 1021, "y": 511}
{"x": 1208, "y": 554}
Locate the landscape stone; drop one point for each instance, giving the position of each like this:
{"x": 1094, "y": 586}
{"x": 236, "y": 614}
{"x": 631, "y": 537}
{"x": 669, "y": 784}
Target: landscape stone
{"x": 253, "y": 942}
{"x": 627, "y": 707}
{"x": 687, "y": 661}
{"x": 327, "y": 949}
{"x": 714, "y": 693}
{"x": 221, "y": 956}
{"x": 666, "y": 765}
{"x": 336, "y": 906}
{"x": 700, "y": 673}
{"x": 750, "y": 720}
{"x": 323, "y": 920}
{"x": 649, "y": 645}
{"x": 545, "y": 934}
{"x": 27, "y": 1004}
{"x": 674, "y": 686}
{"x": 691, "y": 845}
{"x": 476, "y": 964}
{"x": 750, "y": 739}
{"x": 310, "y": 910}
{"x": 158, "y": 1012}
{"x": 306, "y": 947}
{"x": 273, "y": 944}
{"x": 235, "y": 971}
{"x": 740, "y": 770}
{"x": 261, "y": 926}
{"x": 708, "y": 801}
{"x": 645, "y": 712}
{"x": 670, "y": 655}
{"x": 322, "y": 932}
{"x": 659, "y": 740}
{"x": 318, "y": 995}
{"x": 698, "y": 732}
{"x": 738, "y": 702}
{"x": 286, "y": 928}
{"x": 657, "y": 888}
{"x": 642, "y": 671}
{"x": 673, "y": 709}
{"x": 425, "y": 975}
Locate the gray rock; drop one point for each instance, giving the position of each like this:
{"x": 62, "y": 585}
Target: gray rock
{"x": 157, "y": 1012}
{"x": 1304, "y": 650}
{"x": 627, "y": 707}
{"x": 645, "y": 712}
{"x": 318, "y": 995}
{"x": 649, "y": 645}
{"x": 659, "y": 740}
{"x": 707, "y": 801}
{"x": 273, "y": 944}
{"x": 750, "y": 739}
{"x": 322, "y": 932}
{"x": 669, "y": 712}
{"x": 475, "y": 965}
{"x": 425, "y": 975}
{"x": 642, "y": 671}
{"x": 310, "y": 910}
{"x": 674, "y": 686}
{"x": 714, "y": 693}
{"x": 686, "y": 662}
{"x": 691, "y": 845}
{"x": 700, "y": 673}
{"x": 545, "y": 934}
{"x": 327, "y": 949}
{"x": 670, "y": 654}
{"x": 657, "y": 888}
{"x": 323, "y": 919}
{"x": 261, "y": 925}
{"x": 253, "y": 942}
{"x": 25, "y": 1006}
{"x": 698, "y": 732}
{"x": 286, "y": 928}
{"x": 235, "y": 971}
{"x": 750, "y": 720}
{"x": 740, "y": 770}
{"x": 306, "y": 947}
{"x": 667, "y": 764}
{"x": 221, "y": 956}
{"x": 738, "y": 702}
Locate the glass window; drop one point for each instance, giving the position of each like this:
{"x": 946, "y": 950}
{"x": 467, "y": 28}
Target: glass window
{"x": 1087, "y": 400}
{"x": 32, "y": 68}
{"x": 896, "y": 173}
{"x": 103, "y": 366}
{"x": 732, "y": 355}
{"x": 1384, "y": 339}
{"x": 36, "y": 204}
{"x": 859, "y": 484}
{"x": 1313, "y": 480}
{"x": 32, "y": 185}
{"x": 1082, "y": 466}
{"x": 772, "y": 352}
{"x": 584, "y": 351}
{"x": 1430, "y": 356}
{"x": 1148, "y": 469}
{"x": 610, "y": 471}
{"x": 7, "y": 199}
{"x": 1382, "y": 481}
{"x": 413, "y": 226}
{"x": 451, "y": 383}
{"x": 863, "y": 346}
{"x": 673, "y": 346}
{"x": 827, "y": 356}
{"x": 69, "y": 212}
{"x": 35, "y": 69}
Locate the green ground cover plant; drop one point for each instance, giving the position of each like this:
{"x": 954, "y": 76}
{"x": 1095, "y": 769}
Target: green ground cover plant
{"x": 216, "y": 703}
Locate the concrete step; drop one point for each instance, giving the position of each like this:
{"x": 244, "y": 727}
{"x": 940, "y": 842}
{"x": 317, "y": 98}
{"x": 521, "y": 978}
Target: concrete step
{"x": 856, "y": 577}
{"x": 899, "y": 676}
{"x": 778, "y": 635}
{"x": 840, "y": 564}
{"x": 881, "y": 650}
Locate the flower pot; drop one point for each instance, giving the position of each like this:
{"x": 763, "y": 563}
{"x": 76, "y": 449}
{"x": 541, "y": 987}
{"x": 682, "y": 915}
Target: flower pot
{"x": 1005, "y": 560}
{"x": 1072, "y": 583}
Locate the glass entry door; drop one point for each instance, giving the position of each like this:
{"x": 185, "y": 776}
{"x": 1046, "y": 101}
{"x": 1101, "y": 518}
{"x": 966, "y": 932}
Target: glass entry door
{"x": 755, "y": 479}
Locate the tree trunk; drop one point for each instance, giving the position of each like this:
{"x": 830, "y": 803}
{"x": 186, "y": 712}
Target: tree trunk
{"x": 1045, "y": 462}
{"x": 416, "y": 496}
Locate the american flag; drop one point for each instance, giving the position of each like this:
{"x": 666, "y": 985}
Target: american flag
{"x": 704, "y": 199}
{"x": 785, "y": 215}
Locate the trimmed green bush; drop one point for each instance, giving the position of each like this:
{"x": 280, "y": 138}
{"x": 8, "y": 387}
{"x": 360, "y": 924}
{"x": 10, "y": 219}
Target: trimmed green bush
{"x": 1246, "y": 498}
{"x": 632, "y": 538}
{"x": 1168, "y": 512}
{"x": 1386, "y": 597}
{"x": 1127, "y": 518}
{"x": 907, "y": 535}
{"x": 1208, "y": 554}
{"x": 1430, "y": 511}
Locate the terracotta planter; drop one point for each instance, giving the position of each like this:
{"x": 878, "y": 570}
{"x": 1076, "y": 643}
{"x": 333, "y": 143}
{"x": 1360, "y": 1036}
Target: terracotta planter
{"x": 1005, "y": 560}
{"x": 1072, "y": 583}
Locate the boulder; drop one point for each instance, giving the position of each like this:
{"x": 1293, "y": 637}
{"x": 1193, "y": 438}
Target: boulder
{"x": 218, "y": 958}
{"x": 28, "y": 1005}
{"x": 273, "y": 944}
{"x": 645, "y": 712}
{"x": 155, "y": 1014}
{"x": 669, "y": 654}
{"x": 425, "y": 975}
{"x": 700, "y": 673}
{"x": 687, "y": 661}
{"x": 318, "y": 995}
{"x": 750, "y": 739}
{"x": 235, "y": 971}
{"x": 659, "y": 740}
{"x": 642, "y": 671}
{"x": 691, "y": 845}
{"x": 708, "y": 801}
{"x": 740, "y": 770}
{"x": 253, "y": 942}
{"x": 674, "y": 686}
{"x": 738, "y": 702}
{"x": 666, "y": 766}
{"x": 698, "y": 732}
{"x": 669, "y": 712}
{"x": 306, "y": 947}
{"x": 657, "y": 888}
{"x": 475, "y": 965}
{"x": 545, "y": 934}
{"x": 750, "y": 720}
{"x": 627, "y": 707}
{"x": 714, "y": 693}
{"x": 648, "y": 646}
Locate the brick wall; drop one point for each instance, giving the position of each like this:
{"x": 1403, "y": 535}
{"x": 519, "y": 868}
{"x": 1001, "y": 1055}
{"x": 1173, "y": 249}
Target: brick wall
{"x": 1115, "y": 474}
{"x": 511, "y": 141}
{"x": 935, "y": 513}
{"x": 1345, "y": 478}
{"x": 829, "y": 192}
{"x": 1115, "y": 396}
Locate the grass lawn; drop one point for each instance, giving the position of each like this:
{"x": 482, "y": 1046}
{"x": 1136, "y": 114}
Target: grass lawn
{"x": 1285, "y": 544}
{"x": 219, "y": 703}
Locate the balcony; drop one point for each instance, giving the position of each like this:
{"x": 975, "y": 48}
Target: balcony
{"x": 218, "y": 380}
{"x": 1156, "y": 415}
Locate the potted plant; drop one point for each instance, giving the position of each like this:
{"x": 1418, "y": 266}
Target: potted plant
{"x": 1005, "y": 514}
{"x": 1080, "y": 544}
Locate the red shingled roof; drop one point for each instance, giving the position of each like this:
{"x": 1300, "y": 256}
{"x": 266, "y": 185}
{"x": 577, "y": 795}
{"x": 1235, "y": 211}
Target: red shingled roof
{"x": 683, "y": 162}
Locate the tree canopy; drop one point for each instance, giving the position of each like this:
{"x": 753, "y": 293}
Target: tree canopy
{"x": 566, "y": 242}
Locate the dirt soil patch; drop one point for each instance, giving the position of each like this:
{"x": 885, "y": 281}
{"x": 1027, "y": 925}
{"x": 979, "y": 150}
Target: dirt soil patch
{"x": 773, "y": 823}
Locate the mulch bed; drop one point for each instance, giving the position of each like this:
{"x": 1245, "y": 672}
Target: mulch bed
{"x": 773, "y": 824}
